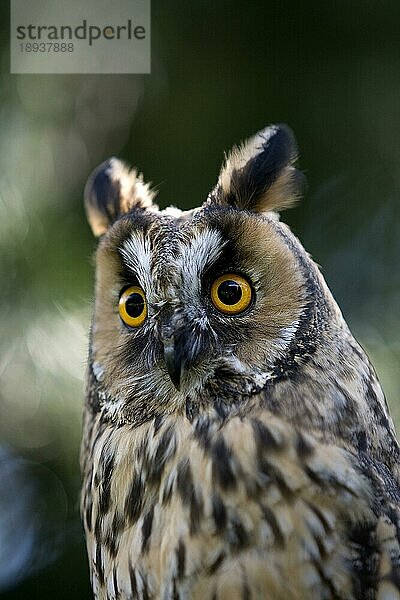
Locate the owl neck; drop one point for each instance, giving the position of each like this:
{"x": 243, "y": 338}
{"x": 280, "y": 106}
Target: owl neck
{"x": 338, "y": 401}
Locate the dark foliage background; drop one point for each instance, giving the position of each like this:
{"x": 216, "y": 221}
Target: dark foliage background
{"x": 220, "y": 72}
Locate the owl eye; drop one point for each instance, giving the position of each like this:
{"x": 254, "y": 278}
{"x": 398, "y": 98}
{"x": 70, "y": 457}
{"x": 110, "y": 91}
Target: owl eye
{"x": 231, "y": 294}
{"x": 132, "y": 306}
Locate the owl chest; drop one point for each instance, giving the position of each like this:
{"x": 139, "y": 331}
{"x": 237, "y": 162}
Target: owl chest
{"x": 140, "y": 505}
{"x": 178, "y": 514}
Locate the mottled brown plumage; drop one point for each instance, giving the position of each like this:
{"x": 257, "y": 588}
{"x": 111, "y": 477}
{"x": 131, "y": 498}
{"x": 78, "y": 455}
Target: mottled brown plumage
{"x": 247, "y": 455}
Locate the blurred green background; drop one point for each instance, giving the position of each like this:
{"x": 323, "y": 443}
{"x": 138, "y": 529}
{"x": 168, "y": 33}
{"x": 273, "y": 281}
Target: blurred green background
{"x": 220, "y": 72}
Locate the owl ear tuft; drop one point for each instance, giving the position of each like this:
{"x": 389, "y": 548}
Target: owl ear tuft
{"x": 112, "y": 190}
{"x": 259, "y": 175}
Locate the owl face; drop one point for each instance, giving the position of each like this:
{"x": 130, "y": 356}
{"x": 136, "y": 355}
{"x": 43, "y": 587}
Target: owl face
{"x": 203, "y": 305}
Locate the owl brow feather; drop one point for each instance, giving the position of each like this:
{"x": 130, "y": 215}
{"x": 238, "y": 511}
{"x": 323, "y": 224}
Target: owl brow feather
{"x": 136, "y": 254}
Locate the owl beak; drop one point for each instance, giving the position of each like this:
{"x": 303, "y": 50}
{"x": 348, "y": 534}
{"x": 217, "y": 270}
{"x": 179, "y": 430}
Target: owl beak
{"x": 173, "y": 362}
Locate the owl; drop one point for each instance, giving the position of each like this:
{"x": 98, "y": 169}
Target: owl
{"x": 237, "y": 443}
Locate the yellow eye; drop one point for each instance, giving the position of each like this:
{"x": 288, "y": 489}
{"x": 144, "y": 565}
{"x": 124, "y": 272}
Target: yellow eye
{"x": 231, "y": 294}
{"x": 132, "y": 306}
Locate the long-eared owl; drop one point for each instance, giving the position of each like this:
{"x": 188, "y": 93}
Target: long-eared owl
{"x": 237, "y": 443}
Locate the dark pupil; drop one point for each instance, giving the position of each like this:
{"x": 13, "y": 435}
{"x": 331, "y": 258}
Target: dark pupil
{"x": 134, "y": 306}
{"x": 229, "y": 292}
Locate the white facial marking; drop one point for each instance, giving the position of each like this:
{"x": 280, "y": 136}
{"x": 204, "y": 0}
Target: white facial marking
{"x": 204, "y": 249}
{"x": 137, "y": 256}
{"x": 98, "y": 371}
{"x": 288, "y": 333}
{"x": 172, "y": 211}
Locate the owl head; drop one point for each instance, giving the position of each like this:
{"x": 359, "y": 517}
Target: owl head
{"x": 205, "y": 306}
